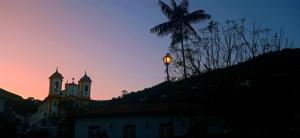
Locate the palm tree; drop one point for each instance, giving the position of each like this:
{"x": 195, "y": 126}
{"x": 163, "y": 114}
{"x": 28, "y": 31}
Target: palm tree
{"x": 179, "y": 23}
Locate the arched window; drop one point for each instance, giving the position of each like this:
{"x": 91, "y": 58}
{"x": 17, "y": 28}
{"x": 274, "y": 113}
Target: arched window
{"x": 56, "y": 83}
{"x": 86, "y": 88}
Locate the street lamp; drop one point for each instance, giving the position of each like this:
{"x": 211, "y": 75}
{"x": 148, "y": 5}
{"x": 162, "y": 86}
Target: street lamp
{"x": 167, "y": 60}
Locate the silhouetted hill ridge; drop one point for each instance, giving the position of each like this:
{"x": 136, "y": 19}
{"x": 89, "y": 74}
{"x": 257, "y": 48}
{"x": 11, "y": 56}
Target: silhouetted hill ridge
{"x": 261, "y": 93}
{"x": 9, "y": 95}
{"x": 272, "y": 71}
{"x": 16, "y": 103}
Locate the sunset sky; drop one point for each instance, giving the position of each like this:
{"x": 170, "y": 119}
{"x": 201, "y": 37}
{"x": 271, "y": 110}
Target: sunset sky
{"x": 108, "y": 38}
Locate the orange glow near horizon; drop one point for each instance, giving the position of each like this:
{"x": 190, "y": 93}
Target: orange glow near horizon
{"x": 107, "y": 38}
{"x": 38, "y": 36}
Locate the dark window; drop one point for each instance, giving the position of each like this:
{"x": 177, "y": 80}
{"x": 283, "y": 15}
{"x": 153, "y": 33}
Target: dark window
{"x": 165, "y": 130}
{"x": 56, "y": 86}
{"x": 129, "y": 131}
{"x": 86, "y": 88}
{"x": 94, "y": 132}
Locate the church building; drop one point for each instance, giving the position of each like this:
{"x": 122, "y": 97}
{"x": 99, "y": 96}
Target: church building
{"x": 51, "y": 107}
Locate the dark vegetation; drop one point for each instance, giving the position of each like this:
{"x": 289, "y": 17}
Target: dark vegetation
{"x": 15, "y": 110}
{"x": 26, "y": 107}
{"x": 233, "y": 71}
{"x": 273, "y": 66}
{"x": 213, "y": 45}
{"x": 257, "y": 95}
{"x": 179, "y": 24}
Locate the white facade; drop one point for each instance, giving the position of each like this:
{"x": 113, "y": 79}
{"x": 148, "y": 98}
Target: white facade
{"x": 37, "y": 117}
{"x": 49, "y": 108}
{"x": 55, "y": 86}
{"x": 86, "y": 87}
{"x": 82, "y": 89}
{"x": 145, "y": 126}
{"x": 71, "y": 89}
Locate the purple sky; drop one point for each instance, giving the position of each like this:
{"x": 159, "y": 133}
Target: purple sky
{"x": 108, "y": 38}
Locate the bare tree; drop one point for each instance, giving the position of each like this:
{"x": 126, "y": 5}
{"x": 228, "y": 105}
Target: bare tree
{"x": 222, "y": 45}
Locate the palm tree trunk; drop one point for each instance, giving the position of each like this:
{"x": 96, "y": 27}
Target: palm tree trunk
{"x": 182, "y": 52}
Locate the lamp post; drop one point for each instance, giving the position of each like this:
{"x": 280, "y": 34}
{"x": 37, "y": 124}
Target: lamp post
{"x": 167, "y": 60}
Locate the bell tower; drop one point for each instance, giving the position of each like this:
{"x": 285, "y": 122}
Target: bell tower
{"x": 85, "y": 86}
{"x": 55, "y": 83}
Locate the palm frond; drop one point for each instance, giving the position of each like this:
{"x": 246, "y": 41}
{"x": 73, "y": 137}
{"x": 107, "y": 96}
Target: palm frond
{"x": 175, "y": 38}
{"x": 180, "y": 20}
{"x": 173, "y": 3}
{"x": 166, "y": 9}
{"x": 164, "y": 29}
{"x": 197, "y": 16}
{"x": 184, "y": 5}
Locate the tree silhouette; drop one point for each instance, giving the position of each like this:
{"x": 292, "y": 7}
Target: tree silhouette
{"x": 224, "y": 44}
{"x": 124, "y": 93}
{"x": 179, "y": 23}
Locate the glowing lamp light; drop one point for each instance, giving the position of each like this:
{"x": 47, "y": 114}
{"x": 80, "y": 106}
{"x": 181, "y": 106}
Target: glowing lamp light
{"x": 167, "y": 59}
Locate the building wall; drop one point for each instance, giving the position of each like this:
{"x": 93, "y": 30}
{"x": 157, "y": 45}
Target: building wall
{"x": 71, "y": 90}
{"x": 146, "y": 126}
{"x": 52, "y": 88}
{"x": 37, "y": 117}
{"x": 2, "y": 105}
{"x": 48, "y": 109}
{"x": 54, "y": 107}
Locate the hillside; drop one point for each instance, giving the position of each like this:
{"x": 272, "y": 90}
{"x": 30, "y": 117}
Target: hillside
{"x": 9, "y": 95}
{"x": 263, "y": 75}
{"x": 19, "y": 105}
{"x": 263, "y": 91}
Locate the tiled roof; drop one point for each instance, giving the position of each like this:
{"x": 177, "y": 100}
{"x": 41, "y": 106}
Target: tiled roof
{"x": 85, "y": 78}
{"x": 58, "y": 97}
{"x": 74, "y": 84}
{"x": 56, "y": 74}
{"x": 143, "y": 109}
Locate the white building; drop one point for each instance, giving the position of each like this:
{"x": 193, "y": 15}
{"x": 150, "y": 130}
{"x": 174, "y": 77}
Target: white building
{"x": 144, "y": 121}
{"x": 49, "y": 109}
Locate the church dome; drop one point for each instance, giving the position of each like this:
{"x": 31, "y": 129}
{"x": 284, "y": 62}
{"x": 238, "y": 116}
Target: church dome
{"x": 85, "y": 78}
{"x": 56, "y": 74}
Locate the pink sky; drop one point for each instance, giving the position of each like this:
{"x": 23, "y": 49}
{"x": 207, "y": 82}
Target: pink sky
{"x": 37, "y": 36}
{"x": 108, "y": 38}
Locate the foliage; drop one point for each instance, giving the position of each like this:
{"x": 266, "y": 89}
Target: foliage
{"x": 228, "y": 81}
{"x": 26, "y": 107}
{"x": 124, "y": 93}
{"x": 179, "y": 23}
{"x": 225, "y": 44}
{"x": 259, "y": 95}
